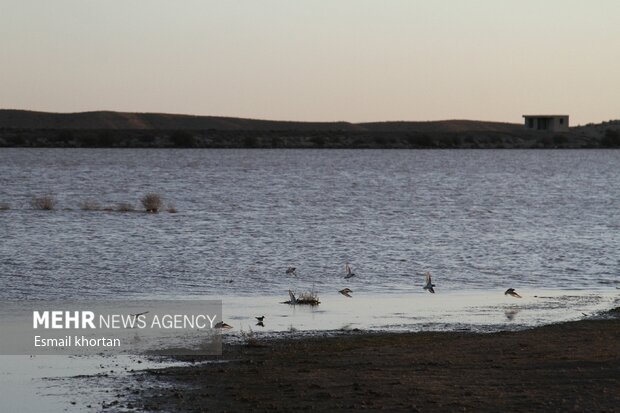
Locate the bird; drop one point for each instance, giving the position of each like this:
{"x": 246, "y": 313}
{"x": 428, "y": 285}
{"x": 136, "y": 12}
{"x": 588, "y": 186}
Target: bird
{"x": 291, "y": 271}
{"x": 346, "y": 292}
{"x": 138, "y": 314}
{"x": 511, "y": 313}
{"x": 348, "y": 271}
{"x": 292, "y": 296}
{"x": 223, "y": 325}
{"x": 261, "y": 318}
{"x": 260, "y": 324}
{"x": 512, "y": 292}
{"x": 429, "y": 284}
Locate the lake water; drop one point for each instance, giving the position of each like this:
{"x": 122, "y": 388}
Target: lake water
{"x": 543, "y": 222}
{"x": 475, "y": 219}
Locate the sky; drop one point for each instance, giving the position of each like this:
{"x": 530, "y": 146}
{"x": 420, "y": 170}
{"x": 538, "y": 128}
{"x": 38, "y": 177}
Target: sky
{"x": 314, "y": 60}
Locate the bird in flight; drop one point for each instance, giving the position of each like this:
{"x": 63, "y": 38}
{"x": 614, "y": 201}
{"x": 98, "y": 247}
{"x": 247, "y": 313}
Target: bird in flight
{"x": 138, "y": 314}
{"x": 512, "y": 292}
{"x": 429, "y": 284}
{"x": 346, "y": 292}
{"x": 348, "y": 271}
{"x": 291, "y": 271}
{"x": 292, "y": 297}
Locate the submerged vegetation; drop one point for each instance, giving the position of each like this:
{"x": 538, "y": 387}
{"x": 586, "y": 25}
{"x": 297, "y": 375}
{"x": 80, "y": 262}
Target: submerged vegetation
{"x": 152, "y": 203}
{"x": 90, "y": 205}
{"x": 43, "y": 203}
{"x": 305, "y": 298}
{"x": 124, "y": 207}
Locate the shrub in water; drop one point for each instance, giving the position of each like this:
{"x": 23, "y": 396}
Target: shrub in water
{"x": 151, "y": 202}
{"x": 45, "y": 202}
{"x": 89, "y": 205}
{"x": 124, "y": 207}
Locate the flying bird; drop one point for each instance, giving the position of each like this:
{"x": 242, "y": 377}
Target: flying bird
{"x": 512, "y": 292}
{"x": 292, "y": 296}
{"x": 346, "y": 292}
{"x": 138, "y": 314}
{"x": 349, "y": 272}
{"x": 291, "y": 271}
{"x": 261, "y": 318}
{"x": 429, "y": 284}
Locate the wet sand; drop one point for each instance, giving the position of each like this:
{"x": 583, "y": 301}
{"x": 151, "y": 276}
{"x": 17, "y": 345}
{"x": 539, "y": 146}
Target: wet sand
{"x": 565, "y": 367}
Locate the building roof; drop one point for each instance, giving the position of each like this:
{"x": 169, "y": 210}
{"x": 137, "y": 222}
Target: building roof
{"x": 544, "y": 116}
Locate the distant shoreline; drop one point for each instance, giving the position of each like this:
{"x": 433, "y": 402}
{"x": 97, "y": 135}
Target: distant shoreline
{"x": 68, "y": 138}
{"x": 20, "y": 128}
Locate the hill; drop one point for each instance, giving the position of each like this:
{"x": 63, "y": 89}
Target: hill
{"x": 121, "y": 129}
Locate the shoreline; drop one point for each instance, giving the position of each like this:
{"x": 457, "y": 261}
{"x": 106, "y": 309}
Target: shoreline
{"x": 571, "y": 366}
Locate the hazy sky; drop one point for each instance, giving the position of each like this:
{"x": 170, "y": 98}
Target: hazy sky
{"x": 354, "y": 60}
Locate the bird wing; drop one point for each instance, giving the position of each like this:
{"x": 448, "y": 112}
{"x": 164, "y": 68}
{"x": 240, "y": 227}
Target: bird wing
{"x": 138, "y": 314}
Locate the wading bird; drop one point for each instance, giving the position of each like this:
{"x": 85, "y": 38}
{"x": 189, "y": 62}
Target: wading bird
{"x": 222, "y": 324}
{"x": 346, "y": 292}
{"x": 512, "y": 292}
{"x": 429, "y": 284}
{"x": 261, "y": 318}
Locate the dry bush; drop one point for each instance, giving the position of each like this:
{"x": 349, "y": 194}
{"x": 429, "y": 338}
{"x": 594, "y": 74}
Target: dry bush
{"x": 250, "y": 338}
{"x": 124, "y": 207}
{"x": 305, "y": 298}
{"x": 151, "y": 202}
{"x": 4, "y": 206}
{"x": 45, "y": 202}
{"x": 310, "y": 298}
{"x": 90, "y": 205}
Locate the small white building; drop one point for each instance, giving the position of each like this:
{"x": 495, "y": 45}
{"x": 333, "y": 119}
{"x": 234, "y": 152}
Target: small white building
{"x": 552, "y": 123}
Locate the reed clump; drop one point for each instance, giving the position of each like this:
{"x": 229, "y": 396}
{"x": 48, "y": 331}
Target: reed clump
{"x": 124, "y": 207}
{"x": 4, "y": 206}
{"x": 90, "y": 205}
{"x": 305, "y": 298}
{"x": 43, "y": 203}
{"x": 152, "y": 202}
{"x": 250, "y": 339}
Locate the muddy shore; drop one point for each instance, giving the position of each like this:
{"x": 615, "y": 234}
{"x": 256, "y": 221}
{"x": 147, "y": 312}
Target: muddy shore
{"x": 565, "y": 367}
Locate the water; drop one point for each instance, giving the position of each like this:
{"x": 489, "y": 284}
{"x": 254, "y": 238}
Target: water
{"x": 475, "y": 219}
{"x": 543, "y": 222}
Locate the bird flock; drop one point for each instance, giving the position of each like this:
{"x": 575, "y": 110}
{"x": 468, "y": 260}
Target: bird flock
{"x": 292, "y": 271}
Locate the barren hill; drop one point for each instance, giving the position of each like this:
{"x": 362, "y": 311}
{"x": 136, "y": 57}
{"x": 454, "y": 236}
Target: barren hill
{"x": 21, "y": 128}
{"x": 22, "y": 119}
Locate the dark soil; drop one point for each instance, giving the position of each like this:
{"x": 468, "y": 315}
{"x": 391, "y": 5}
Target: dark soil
{"x": 571, "y": 367}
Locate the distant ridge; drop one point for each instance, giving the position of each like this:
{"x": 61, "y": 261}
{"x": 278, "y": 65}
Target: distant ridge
{"x": 105, "y": 129}
{"x": 24, "y": 119}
